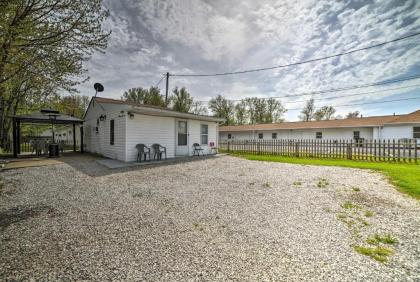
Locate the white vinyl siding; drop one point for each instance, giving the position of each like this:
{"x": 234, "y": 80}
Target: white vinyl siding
{"x": 149, "y": 130}
{"x": 100, "y": 142}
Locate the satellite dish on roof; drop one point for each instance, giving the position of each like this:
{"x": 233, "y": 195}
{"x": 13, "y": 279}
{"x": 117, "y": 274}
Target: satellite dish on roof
{"x": 98, "y": 87}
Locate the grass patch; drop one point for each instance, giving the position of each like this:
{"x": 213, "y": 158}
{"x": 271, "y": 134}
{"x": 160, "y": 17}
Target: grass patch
{"x": 385, "y": 239}
{"x": 355, "y": 189}
{"x": 406, "y": 177}
{"x": 377, "y": 253}
{"x": 267, "y": 185}
{"x": 349, "y": 205}
{"x": 369, "y": 213}
{"x": 322, "y": 183}
{"x": 297, "y": 183}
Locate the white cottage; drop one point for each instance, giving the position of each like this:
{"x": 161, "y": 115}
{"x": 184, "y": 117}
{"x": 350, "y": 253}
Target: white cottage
{"x": 113, "y": 128}
{"x": 375, "y": 127}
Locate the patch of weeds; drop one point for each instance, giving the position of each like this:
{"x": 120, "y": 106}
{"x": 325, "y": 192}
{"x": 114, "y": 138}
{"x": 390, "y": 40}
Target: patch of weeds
{"x": 380, "y": 254}
{"x": 217, "y": 217}
{"x": 322, "y": 183}
{"x": 198, "y": 226}
{"x": 385, "y": 239}
{"x": 252, "y": 183}
{"x": 362, "y": 221}
{"x": 355, "y": 189}
{"x": 369, "y": 213}
{"x": 267, "y": 185}
{"x": 341, "y": 216}
{"x": 297, "y": 183}
{"x": 349, "y": 205}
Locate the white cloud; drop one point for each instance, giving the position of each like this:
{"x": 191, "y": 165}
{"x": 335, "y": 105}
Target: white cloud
{"x": 184, "y": 36}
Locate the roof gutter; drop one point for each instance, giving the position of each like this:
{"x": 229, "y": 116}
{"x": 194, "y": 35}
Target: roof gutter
{"x": 165, "y": 113}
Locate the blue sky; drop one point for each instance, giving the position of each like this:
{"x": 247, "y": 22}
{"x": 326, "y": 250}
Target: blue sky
{"x": 152, "y": 37}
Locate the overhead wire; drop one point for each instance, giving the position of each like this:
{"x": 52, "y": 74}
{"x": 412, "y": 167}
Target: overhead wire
{"x": 301, "y": 62}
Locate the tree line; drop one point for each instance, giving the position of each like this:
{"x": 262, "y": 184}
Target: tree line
{"x": 248, "y": 111}
{"x": 43, "y": 46}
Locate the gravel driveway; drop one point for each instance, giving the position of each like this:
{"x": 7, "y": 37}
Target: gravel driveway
{"x": 221, "y": 218}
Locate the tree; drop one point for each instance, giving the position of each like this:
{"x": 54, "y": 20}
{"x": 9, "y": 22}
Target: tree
{"x": 43, "y": 45}
{"x": 144, "y": 96}
{"x": 74, "y": 105}
{"x": 307, "y": 112}
{"x": 199, "y": 109}
{"x": 354, "y": 114}
{"x": 181, "y": 100}
{"x": 241, "y": 113}
{"x": 274, "y": 111}
{"x": 324, "y": 113}
{"x": 223, "y": 108}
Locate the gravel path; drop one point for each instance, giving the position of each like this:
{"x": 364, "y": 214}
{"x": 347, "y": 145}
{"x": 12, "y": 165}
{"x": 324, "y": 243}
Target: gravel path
{"x": 222, "y": 218}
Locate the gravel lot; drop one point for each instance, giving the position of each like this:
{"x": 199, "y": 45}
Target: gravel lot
{"x": 221, "y": 218}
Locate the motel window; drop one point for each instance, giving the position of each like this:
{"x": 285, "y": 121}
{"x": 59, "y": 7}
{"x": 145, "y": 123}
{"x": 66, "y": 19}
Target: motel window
{"x": 111, "y": 132}
{"x": 229, "y": 136}
{"x": 356, "y": 135}
{"x": 260, "y": 136}
{"x": 273, "y": 135}
{"x": 204, "y": 134}
{"x": 319, "y": 135}
{"x": 416, "y": 132}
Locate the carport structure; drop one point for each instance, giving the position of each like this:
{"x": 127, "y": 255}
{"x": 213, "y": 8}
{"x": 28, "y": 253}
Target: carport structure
{"x": 47, "y": 116}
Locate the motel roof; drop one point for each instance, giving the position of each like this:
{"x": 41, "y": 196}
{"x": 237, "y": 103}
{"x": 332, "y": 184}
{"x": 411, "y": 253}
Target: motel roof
{"x": 336, "y": 123}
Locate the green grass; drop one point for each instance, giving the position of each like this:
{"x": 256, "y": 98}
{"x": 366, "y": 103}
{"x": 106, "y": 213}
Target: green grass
{"x": 355, "y": 189}
{"x": 385, "y": 239}
{"x": 297, "y": 183}
{"x": 378, "y": 253}
{"x": 406, "y": 177}
{"x": 349, "y": 205}
{"x": 322, "y": 183}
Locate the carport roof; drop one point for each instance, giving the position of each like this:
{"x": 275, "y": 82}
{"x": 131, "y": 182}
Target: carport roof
{"x": 39, "y": 117}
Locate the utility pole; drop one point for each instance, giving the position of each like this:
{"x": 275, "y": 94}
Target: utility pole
{"x": 167, "y": 87}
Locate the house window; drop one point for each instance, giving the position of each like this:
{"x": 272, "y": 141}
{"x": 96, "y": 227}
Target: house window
{"x": 260, "y": 136}
{"x": 416, "y": 132}
{"x": 111, "y": 132}
{"x": 229, "y": 136}
{"x": 319, "y": 135}
{"x": 204, "y": 134}
{"x": 273, "y": 135}
{"x": 356, "y": 135}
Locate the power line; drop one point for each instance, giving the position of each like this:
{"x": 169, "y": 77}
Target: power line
{"x": 357, "y": 94}
{"x": 160, "y": 80}
{"x": 401, "y": 79}
{"x": 367, "y": 103}
{"x": 301, "y": 62}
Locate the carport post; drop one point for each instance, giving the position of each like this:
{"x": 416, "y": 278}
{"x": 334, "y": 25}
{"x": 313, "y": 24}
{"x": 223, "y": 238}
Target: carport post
{"x": 15, "y": 152}
{"x": 81, "y": 140}
{"x": 18, "y": 136}
{"x": 74, "y": 137}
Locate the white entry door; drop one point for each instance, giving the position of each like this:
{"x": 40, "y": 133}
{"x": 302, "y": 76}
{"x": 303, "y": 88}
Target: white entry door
{"x": 181, "y": 138}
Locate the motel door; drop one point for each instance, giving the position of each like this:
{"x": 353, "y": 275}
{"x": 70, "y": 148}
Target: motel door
{"x": 181, "y": 138}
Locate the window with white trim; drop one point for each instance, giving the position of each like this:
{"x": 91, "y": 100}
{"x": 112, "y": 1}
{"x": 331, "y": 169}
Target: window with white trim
{"x": 356, "y": 135}
{"x": 204, "y": 134}
{"x": 318, "y": 135}
{"x": 416, "y": 132}
{"x": 229, "y": 136}
{"x": 260, "y": 136}
{"x": 274, "y": 135}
